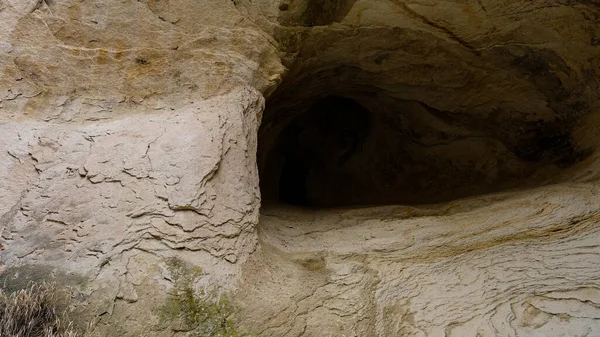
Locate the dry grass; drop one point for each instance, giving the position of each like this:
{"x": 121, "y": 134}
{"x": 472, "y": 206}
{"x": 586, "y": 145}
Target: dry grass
{"x": 37, "y": 311}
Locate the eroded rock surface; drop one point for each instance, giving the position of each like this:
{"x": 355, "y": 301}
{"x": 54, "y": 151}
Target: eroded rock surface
{"x": 466, "y": 268}
{"x": 130, "y": 134}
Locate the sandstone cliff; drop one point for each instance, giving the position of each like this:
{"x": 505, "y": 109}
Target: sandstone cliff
{"x": 440, "y": 159}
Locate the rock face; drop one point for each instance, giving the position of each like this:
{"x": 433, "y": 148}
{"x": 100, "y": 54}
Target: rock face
{"x": 456, "y": 142}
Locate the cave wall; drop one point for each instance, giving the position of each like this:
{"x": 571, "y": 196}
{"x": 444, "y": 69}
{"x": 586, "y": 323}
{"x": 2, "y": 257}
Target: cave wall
{"x": 130, "y": 134}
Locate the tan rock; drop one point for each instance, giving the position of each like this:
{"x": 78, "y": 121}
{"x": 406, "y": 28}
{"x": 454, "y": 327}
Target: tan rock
{"x": 457, "y": 141}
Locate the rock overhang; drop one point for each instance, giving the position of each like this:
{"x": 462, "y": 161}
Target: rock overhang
{"x": 451, "y": 118}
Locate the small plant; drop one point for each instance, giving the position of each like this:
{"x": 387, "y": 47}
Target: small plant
{"x": 36, "y": 311}
{"x": 202, "y": 313}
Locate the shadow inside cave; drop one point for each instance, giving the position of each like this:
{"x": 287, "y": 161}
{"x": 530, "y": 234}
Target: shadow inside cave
{"x": 369, "y": 149}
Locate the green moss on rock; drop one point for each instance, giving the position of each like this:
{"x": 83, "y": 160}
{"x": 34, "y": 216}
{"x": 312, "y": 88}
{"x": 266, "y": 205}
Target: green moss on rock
{"x": 200, "y": 313}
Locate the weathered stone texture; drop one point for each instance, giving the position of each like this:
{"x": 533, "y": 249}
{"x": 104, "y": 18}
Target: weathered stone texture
{"x": 129, "y": 133}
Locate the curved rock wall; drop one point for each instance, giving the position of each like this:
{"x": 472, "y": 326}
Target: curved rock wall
{"x": 130, "y": 132}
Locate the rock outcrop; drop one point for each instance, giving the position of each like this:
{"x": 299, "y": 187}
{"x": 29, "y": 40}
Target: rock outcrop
{"x": 440, "y": 158}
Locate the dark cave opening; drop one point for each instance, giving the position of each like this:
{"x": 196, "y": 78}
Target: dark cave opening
{"x": 353, "y": 144}
{"x": 317, "y": 145}
{"x": 379, "y": 116}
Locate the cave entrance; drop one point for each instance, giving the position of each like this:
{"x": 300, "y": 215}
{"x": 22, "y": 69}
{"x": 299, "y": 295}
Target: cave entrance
{"x": 365, "y": 118}
{"x": 360, "y": 147}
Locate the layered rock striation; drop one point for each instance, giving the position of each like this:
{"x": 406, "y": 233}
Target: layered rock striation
{"x": 343, "y": 168}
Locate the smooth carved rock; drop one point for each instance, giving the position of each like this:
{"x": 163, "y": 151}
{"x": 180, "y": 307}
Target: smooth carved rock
{"x": 456, "y": 141}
